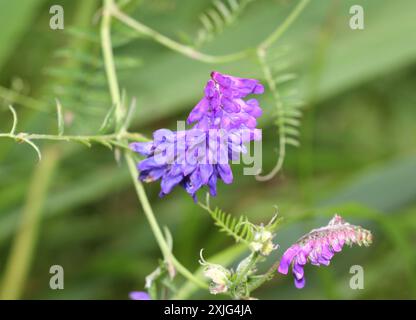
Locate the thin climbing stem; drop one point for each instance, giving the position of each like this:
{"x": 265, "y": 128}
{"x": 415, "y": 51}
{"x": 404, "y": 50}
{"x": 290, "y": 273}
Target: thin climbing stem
{"x": 110, "y": 138}
{"x": 275, "y": 35}
{"x": 109, "y": 64}
{"x": 155, "y": 226}
{"x": 280, "y": 112}
{"x": 261, "y": 54}
{"x": 269, "y": 275}
{"x": 198, "y": 55}
{"x": 174, "y": 45}
{"x": 116, "y": 99}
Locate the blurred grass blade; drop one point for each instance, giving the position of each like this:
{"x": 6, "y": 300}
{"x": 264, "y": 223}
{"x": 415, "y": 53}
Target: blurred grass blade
{"x": 16, "y": 18}
{"x": 18, "y": 264}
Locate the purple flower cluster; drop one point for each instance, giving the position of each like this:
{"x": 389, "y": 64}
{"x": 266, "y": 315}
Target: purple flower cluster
{"x": 319, "y": 246}
{"x": 200, "y": 156}
{"x": 223, "y": 105}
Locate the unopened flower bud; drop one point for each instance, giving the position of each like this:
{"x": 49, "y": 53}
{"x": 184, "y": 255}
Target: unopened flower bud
{"x": 217, "y": 273}
{"x": 262, "y": 242}
{"x": 219, "y": 277}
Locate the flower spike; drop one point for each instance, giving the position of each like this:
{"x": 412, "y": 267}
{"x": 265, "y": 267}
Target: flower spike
{"x": 319, "y": 246}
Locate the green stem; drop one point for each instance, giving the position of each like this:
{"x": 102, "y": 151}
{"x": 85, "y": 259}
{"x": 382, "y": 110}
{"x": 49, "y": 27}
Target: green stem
{"x": 169, "y": 258}
{"x": 115, "y": 96}
{"x": 111, "y": 10}
{"x": 76, "y": 138}
{"x": 241, "y": 276}
{"x": 18, "y": 264}
{"x": 200, "y": 56}
{"x": 174, "y": 45}
{"x": 274, "y": 36}
{"x": 109, "y": 64}
{"x": 266, "y": 277}
{"x": 261, "y": 55}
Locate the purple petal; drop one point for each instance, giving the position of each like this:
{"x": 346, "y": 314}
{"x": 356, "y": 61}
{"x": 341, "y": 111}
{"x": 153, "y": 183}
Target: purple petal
{"x": 198, "y": 111}
{"x": 196, "y": 180}
{"x": 229, "y": 105}
{"x": 223, "y": 80}
{"x": 225, "y": 173}
{"x": 148, "y": 164}
{"x": 327, "y": 252}
{"x": 259, "y": 89}
{"x": 252, "y": 107}
{"x": 210, "y": 89}
{"x": 298, "y": 271}
{"x": 151, "y": 175}
{"x": 337, "y": 244}
{"x": 139, "y": 295}
{"x": 314, "y": 257}
{"x": 168, "y": 182}
{"x": 206, "y": 171}
{"x": 212, "y": 184}
{"x": 301, "y": 258}
{"x": 287, "y": 259}
{"x": 299, "y": 283}
{"x": 144, "y": 148}
{"x": 163, "y": 135}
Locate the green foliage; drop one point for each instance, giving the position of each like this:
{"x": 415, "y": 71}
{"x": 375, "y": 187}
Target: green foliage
{"x": 79, "y": 81}
{"x": 223, "y": 13}
{"x": 241, "y": 229}
{"x": 287, "y": 106}
{"x": 16, "y": 18}
{"x": 238, "y": 228}
{"x": 357, "y": 148}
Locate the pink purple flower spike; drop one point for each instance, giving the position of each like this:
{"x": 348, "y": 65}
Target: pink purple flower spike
{"x": 319, "y": 246}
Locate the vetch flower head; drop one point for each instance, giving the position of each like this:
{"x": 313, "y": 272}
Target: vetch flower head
{"x": 319, "y": 246}
{"x": 139, "y": 295}
{"x": 191, "y": 158}
{"x": 200, "y": 156}
{"x": 223, "y": 105}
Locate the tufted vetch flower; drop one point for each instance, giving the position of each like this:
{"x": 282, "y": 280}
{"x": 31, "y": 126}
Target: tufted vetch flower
{"x": 191, "y": 158}
{"x": 319, "y": 246}
{"x": 200, "y": 156}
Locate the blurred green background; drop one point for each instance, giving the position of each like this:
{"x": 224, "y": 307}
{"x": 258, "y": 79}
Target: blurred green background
{"x": 357, "y": 155}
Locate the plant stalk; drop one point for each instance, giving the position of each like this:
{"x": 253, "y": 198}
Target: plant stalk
{"x": 116, "y": 98}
